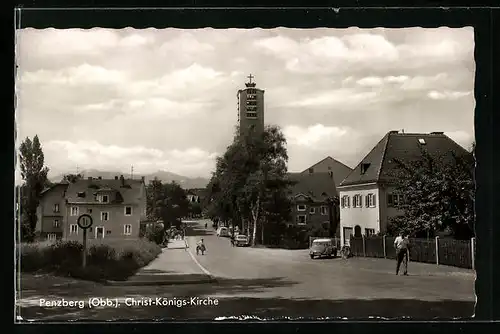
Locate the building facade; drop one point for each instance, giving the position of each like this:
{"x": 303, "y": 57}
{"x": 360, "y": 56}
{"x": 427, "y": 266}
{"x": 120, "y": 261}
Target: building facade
{"x": 117, "y": 207}
{"x": 313, "y": 202}
{"x": 250, "y": 109}
{"x": 367, "y": 198}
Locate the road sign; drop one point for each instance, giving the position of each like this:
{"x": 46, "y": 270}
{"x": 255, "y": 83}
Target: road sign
{"x": 85, "y": 221}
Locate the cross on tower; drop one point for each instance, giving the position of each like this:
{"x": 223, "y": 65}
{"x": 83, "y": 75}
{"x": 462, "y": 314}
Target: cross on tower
{"x": 250, "y": 77}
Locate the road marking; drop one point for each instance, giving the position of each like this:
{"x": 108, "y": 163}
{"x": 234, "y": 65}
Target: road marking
{"x": 198, "y": 263}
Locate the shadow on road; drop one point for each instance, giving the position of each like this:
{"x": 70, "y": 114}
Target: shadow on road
{"x": 194, "y": 229}
{"x": 273, "y": 309}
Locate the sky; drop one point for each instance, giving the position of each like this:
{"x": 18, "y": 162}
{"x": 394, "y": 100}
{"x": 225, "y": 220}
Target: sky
{"x": 165, "y": 99}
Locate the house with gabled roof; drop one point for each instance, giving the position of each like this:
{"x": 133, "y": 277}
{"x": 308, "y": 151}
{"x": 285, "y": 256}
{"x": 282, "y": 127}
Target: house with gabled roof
{"x": 117, "y": 207}
{"x": 367, "y": 201}
{"x": 311, "y": 196}
{"x": 338, "y": 170}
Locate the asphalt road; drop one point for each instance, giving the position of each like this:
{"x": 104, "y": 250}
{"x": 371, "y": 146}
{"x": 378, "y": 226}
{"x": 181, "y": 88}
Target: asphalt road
{"x": 271, "y": 284}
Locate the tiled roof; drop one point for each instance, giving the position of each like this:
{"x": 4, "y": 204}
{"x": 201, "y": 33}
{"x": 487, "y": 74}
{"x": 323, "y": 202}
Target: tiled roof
{"x": 379, "y": 162}
{"x": 340, "y": 171}
{"x": 61, "y": 185}
{"x": 128, "y": 194}
{"x": 318, "y": 186}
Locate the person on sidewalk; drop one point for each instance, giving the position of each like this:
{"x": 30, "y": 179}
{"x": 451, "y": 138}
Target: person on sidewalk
{"x": 401, "y": 244}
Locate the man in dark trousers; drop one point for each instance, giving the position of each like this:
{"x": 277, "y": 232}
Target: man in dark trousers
{"x": 401, "y": 244}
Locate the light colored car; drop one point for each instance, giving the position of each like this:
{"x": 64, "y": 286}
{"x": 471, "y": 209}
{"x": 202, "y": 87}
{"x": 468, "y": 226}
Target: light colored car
{"x": 241, "y": 240}
{"x": 223, "y": 232}
{"x": 322, "y": 248}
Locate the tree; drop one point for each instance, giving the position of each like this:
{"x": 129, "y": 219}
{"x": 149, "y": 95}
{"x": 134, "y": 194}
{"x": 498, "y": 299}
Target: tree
{"x": 248, "y": 178}
{"x": 153, "y": 194}
{"x": 437, "y": 193}
{"x": 172, "y": 205}
{"x": 72, "y": 178}
{"x": 34, "y": 174}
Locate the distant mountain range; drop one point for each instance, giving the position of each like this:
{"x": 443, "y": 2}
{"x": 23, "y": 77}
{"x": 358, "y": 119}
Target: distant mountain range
{"x": 166, "y": 177}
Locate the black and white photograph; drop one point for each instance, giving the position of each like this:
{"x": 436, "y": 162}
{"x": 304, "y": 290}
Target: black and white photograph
{"x": 235, "y": 174}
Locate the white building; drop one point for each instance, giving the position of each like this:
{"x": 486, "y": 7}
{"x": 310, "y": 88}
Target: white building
{"x": 366, "y": 198}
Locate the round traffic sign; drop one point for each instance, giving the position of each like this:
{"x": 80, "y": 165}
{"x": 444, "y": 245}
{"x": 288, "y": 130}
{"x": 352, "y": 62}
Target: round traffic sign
{"x": 85, "y": 221}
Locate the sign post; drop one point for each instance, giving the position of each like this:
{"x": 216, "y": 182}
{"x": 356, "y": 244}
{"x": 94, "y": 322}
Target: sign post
{"x": 84, "y": 222}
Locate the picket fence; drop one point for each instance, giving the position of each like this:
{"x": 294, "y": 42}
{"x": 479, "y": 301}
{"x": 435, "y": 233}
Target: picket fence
{"x": 450, "y": 252}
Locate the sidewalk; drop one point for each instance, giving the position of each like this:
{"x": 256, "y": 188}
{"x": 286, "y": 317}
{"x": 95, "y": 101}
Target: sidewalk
{"x": 173, "y": 266}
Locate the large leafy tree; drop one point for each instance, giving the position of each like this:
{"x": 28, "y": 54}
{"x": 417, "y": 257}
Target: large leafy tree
{"x": 167, "y": 202}
{"x": 249, "y": 178}
{"x": 34, "y": 175}
{"x": 437, "y": 194}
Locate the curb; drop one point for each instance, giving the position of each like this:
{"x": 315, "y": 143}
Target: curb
{"x": 212, "y": 277}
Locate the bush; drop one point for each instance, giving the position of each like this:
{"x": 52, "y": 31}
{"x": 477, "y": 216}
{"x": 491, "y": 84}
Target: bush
{"x": 106, "y": 260}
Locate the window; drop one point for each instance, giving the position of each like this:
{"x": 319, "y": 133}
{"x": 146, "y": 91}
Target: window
{"x": 356, "y": 201}
{"x": 108, "y": 232}
{"x": 301, "y": 207}
{"x": 324, "y": 210}
{"x": 89, "y": 210}
{"x": 394, "y": 200}
{"x": 345, "y": 202}
{"x": 421, "y": 141}
{"x": 104, "y": 216}
{"x": 73, "y": 229}
{"x": 369, "y": 232}
{"x": 81, "y": 194}
{"x": 56, "y": 223}
{"x": 312, "y": 210}
{"x": 56, "y": 207}
{"x": 105, "y": 199}
{"x": 370, "y": 200}
{"x": 74, "y": 211}
{"x": 127, "y": 229}
{"x": 364, "y": 167}
{"x": 51, "y": 236}
{"x": 301, "y": 219}
{"x": 128, "y": 211}
{"x": 251, "y": 114}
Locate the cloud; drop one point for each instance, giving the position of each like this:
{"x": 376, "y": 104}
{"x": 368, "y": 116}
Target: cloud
{"x": 84, "y": 74}
{"x": 91, "y": 154}
{"x": 447, "y": 95}
{"x": 174, "y": 90}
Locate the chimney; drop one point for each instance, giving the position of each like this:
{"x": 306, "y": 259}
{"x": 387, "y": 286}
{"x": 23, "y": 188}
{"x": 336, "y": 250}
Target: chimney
{"x": 331, "y": 174}
{"x": 89, "y": 178}
{"x": 122, "y": 179}
{"x": 116, "y": 177}
{"x": 394, "y": 131}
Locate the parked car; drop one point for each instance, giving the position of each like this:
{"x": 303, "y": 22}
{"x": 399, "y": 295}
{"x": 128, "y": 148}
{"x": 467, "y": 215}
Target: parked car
{"x": 322, "y": 248}
{"x": 241, "y": 240}
{"x": 223, "y": 232}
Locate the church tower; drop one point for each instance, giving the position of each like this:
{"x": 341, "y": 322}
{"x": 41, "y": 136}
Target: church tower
{"x": 250, "y": 108}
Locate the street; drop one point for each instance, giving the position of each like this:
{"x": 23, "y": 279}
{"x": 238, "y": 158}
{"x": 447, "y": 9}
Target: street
{"x": 273, "y": 283}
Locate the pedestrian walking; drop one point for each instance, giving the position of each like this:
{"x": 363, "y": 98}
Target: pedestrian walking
{"x": 401, "y": 244}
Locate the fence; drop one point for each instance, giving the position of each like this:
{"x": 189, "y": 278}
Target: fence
{"x": 457, "y": 253}
{"x": 335, "y": 240}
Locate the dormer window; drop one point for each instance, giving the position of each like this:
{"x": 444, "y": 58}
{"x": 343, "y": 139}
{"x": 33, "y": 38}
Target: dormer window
{"x": 364, "y": 167}
{"x": 421, "y": 141}
{"x": 81, "y": 194}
